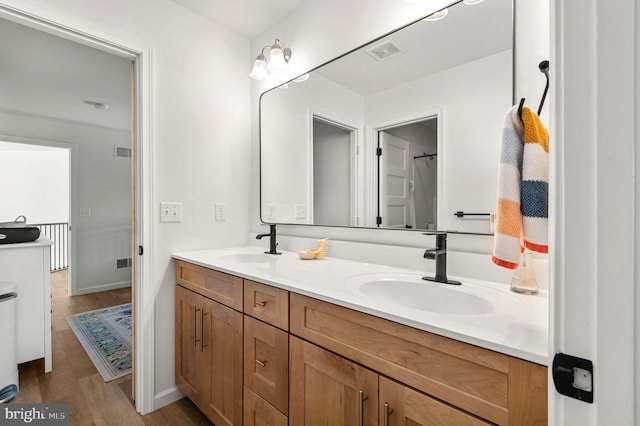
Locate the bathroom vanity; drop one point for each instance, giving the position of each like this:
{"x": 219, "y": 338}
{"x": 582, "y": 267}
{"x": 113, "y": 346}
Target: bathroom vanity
{"x": 277, "y": 340}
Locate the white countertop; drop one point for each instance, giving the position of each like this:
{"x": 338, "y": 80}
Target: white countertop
{"x": 41, "y": 241}
{"x": 516, "y": 325}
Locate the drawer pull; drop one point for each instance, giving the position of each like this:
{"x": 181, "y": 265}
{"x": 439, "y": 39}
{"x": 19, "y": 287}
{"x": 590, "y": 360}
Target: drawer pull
{"x": 261, "y": 363}
{"x": 261, "y": 303}
{"x": 362, "y": 399}
{"x": 202, "y": 344}
{"x": 195, "y": 326}
{"x": 387, "y": 411}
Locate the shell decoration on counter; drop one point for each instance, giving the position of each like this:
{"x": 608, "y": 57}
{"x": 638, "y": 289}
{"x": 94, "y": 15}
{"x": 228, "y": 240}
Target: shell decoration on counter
{"x": 318, "y": 253}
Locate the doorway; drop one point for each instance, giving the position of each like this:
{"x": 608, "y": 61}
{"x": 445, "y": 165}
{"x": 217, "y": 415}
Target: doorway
{"x": 407, "y": 181}
{"x": 138, "y": 201}
{"x": 333, "y": 177}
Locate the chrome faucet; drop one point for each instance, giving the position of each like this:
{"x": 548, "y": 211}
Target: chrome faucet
{"x": 439, "y": 254}
{"x": 272, "y": 240}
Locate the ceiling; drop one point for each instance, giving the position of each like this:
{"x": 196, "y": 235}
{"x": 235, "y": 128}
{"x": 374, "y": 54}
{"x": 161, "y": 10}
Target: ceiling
{"x": 245, "y": 17}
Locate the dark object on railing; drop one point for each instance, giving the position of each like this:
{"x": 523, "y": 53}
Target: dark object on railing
{"x": 58, "y": 233}
{"x": 424, "y": 154}
{"x": 544, "y": 68}
{"x": 463, "y": 214}
{"x": 24, "y": 234}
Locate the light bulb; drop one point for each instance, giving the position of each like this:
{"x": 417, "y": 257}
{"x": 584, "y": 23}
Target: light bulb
{"x": 276, "y": 59}
{"x": 472, "y": 2}
{"x": 259, "y": 71}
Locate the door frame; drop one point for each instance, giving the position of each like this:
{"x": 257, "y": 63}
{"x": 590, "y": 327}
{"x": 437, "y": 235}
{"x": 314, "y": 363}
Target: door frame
{"x": 374, "y": 130}
{"x": 58, "y": 24}
{"x": 353, "y": 162}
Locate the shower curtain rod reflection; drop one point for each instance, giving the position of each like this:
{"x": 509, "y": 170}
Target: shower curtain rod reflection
{"x": 429, "y": 156}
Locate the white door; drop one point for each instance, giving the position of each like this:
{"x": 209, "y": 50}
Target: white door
{"x": 394, "y": 177}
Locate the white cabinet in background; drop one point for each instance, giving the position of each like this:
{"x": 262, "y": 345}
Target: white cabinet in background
{"x": 27, "y": 265}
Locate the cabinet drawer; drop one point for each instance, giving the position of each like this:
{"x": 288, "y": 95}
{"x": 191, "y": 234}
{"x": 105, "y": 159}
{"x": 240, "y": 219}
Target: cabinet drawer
{"x": 258, "y": 412}
{"x": 221, "y": 287}
{"x": 267, "y": 303}
{"x": 266, "y": 362}
{"x": 408, "y": 407}
{"x": 486, "y": 383}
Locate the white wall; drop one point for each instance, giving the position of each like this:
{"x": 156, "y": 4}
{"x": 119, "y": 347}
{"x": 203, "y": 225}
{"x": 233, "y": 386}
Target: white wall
{"x": 36, "y": 183}
{"x": 200, "y": 142}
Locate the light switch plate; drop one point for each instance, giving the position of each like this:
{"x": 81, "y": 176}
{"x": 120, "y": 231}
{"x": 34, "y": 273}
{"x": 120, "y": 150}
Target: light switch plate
{"x": 170, "y": 212}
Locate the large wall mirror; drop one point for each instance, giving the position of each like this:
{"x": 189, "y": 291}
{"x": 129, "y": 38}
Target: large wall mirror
{"x": 403, "y": 132}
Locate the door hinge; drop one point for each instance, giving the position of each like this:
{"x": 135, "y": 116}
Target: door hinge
{"x": 140, "y": 250}
{"x": 573, "y": 377}
{"x": 379, "y": 220}
{"x": 378, "y": 152}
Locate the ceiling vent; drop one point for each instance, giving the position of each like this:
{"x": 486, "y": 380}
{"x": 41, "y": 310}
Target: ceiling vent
{"x": 122, "y": 152}
{"x": 385, "y": 50}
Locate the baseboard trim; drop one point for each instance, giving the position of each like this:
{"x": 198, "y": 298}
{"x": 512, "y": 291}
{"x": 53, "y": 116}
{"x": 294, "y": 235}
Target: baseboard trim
{"x": 167, "y": 397}
{"x": 104, "y": 287}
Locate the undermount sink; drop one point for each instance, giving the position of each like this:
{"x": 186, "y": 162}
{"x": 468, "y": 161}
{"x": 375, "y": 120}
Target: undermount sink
{"x": 412, "y": 292}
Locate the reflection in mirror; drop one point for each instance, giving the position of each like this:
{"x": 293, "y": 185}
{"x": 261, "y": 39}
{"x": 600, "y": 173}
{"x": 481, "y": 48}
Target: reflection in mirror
{"x": 401, "y": 133}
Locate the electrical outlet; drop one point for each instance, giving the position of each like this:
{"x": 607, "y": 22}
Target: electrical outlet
{"x": 170, "y": 212}
{"x": 270, "y": 212}
{"x": 85, "y": 212}
{"x": 301, "y": 211}
{"x": 221, "y": 212}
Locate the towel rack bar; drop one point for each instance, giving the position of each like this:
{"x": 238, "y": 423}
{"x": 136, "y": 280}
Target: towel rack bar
{"x": 463, "y": 214}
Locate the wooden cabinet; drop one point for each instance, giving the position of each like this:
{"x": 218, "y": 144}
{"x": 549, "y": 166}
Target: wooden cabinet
{"x": 401, "y": 405}
{"x": 209, "y": 345}
{"x": 190, "y": 359}
{"x": 493, "y": 386}
{"x": 266, "y": 362}
{"x": 249, "y": 352}
{"x": 267, "y": 303}
{"x": 258, "y": 412}
{"x": 327, "y": 389}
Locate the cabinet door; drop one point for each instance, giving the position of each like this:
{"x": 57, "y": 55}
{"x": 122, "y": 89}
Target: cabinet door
{"x": 258, "y": 412}
{"x": 400, "y": 405}
{"x": 222, "y": 342}
{"x": 327, "y": 389}
{"x": 190, "y": 359}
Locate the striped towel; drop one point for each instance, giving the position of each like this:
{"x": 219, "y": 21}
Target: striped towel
{"x": 523, "y": 188}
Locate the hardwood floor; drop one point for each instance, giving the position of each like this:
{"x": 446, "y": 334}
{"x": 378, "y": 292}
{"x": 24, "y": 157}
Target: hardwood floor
{"x": 75, "y": 380}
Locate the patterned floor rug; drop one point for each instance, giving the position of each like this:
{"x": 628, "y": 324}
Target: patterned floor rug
{"x": 106, "y": 336}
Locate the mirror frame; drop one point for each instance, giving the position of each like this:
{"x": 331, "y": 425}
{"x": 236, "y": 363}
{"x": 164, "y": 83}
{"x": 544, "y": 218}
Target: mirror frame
{"x": 424, "y": 231}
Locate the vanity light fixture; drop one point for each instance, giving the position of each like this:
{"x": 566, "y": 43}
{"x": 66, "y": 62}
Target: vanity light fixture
{"x": 276, "y": 61}
{"x": 303, "y": 77}
{"x": 438, "y": 15}
{"x": 472, "y": 2}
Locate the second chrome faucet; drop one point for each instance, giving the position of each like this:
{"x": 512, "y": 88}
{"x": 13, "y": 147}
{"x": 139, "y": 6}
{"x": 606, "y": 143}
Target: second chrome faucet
{"x": 439, "y": 254}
